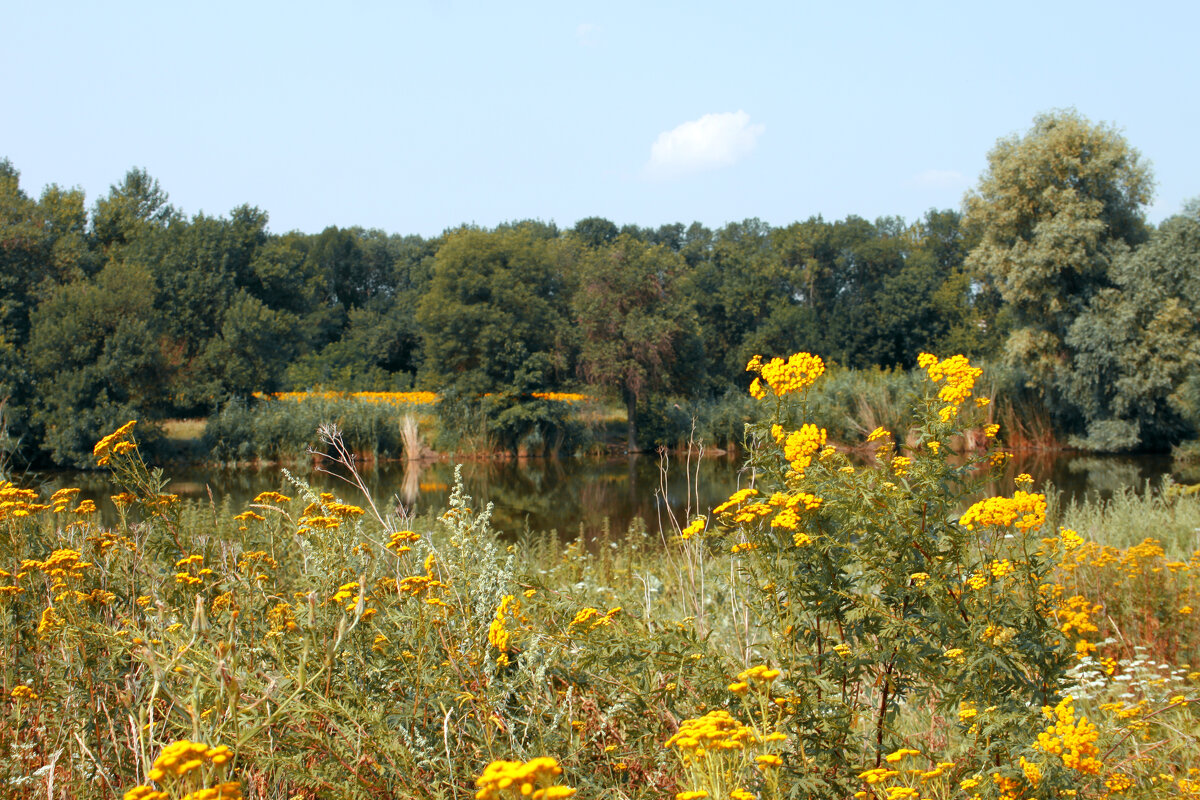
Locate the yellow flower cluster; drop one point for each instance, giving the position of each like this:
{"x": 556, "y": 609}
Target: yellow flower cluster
{"x": 737, "y": 498}
{"x": 182, "y": 757}
{"x": 1118, "y": 782}
{"x": 715, "y": 731}
{"x": 415, "y": 585}
{"x": 795, "y": 500}
{"x": 760, "y": 677}
{"x": 562, "y": 397}
{"x": 1001, "y": 567}
{"x": 534, "y": 779}
{"x": 1023, "y": 510}
{"x": 347, "y": 591}
{"x": 62, "y": 498}
{"x": 1074, "y": 739}
{"x": 498, "y": 633}
{"x": 1076, "y": 615}
{"x": 801, "y": 445}
{"x": 50, "y": 622}
{"x": 185, "y": 760}
{"x": 792, "y": 504}
{"x": 696, "y": 526}
{"x": 230, "y": 790}
{"x": 784, "y": 377}
{"x": 752, "y": 512}
{"x": 116, "y": 443}
{"x": 878, "y": 774}
{"x": 282, "y": 619}
{"x": 62, "y": 565}
{"x": 957, "y": 372}
{"x": 185, "y": 576}
{"x": 399, "y": 541}
{"x": 16, "y": 502}
{"x": 593, "y": 618}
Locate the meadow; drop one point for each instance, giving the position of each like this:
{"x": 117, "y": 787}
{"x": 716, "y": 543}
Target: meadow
{"x": 839, "y": 627}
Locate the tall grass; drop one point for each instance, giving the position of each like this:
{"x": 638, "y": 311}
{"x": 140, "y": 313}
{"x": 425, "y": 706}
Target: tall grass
{"x": 285, "y": 431}
{"x": 1169, "y": 514}
{"x": 340, "y": 649}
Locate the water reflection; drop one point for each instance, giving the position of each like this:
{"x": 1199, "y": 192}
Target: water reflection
{"x": 587, "y": 495}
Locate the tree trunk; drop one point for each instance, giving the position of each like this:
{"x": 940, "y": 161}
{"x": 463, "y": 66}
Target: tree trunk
{"x": 631, "y": 410}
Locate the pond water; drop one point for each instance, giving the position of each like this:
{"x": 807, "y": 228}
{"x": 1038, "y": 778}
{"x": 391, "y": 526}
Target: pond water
{"x": 589, "y": 494}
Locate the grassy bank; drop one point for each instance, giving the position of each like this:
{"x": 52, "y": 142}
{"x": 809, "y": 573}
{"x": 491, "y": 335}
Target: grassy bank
{"x": 837, "y": 630}
{"x": 394, "y": 425}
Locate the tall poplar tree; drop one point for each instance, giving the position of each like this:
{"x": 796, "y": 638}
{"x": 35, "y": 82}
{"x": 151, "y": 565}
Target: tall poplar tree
{"x": 631, "y": 320}
{"x": 1053, "y": 210}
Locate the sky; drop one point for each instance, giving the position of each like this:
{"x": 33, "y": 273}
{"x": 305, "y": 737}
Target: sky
{"x": 415, "y": 117}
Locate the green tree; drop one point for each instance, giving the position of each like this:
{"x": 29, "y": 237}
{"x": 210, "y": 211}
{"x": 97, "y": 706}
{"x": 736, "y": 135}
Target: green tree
{"x": 378, "y": 351}
{"x": 1053, "y": 210}
{"x": 595, "y": 231}
{"x": 496, "y": 300}
{"x": 136, "y": 204}
{"x": 94, "y": 355}
{"x": 1137, "y": 343}
{"x": 251, "y": 351}
{"x": 43, "y": 244}
{"x": 494, "y": 324}
{"x": 199, "y": 266}
{"x": 735, "y": 288}
{"x": 632, "y": 320}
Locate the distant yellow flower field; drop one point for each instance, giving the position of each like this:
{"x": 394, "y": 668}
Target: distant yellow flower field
{"x": 401, "y": 398}
{"x": 390, "y": 398}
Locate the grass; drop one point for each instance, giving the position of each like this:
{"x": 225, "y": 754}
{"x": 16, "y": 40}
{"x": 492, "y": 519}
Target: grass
{"x": 184, "y": 430}
{"x": 319, "y": 645}
{"x": 1169, "y": 514}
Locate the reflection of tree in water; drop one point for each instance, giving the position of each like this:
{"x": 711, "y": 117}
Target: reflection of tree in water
{"x": 1075, "y": 477}
{"x": 1108, "y": 475}
{"x": 597, "y": 494}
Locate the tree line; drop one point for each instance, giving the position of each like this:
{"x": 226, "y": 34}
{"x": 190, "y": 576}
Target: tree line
{"x": 133, "y": 309}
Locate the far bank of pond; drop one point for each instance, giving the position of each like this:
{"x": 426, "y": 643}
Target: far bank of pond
{"x": 589, "y": 494}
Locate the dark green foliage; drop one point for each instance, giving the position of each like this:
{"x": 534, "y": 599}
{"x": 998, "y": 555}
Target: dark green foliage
{"x": 1136, "y": 344}
{"x": 129, "y": 210}
{"x": 379, "y": 351}
{"x": 596, "y": 232}
{"x": 663, "y": 422}
{"x": 496, "y": 323}
{"x": 251, "y": 350}
{"x": 94, "y": 356}
{"x": 637, "y": 333}
{"x": 496, "y": 311}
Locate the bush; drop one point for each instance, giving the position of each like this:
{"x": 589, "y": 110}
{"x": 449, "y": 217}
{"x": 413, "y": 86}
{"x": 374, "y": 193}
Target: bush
{"x": 285, "y": 430}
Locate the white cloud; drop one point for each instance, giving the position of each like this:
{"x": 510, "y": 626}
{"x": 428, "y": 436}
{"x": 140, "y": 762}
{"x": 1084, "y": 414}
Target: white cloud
{"x": 711, "y": 142}
{"x": 587, "y": 34}
{"x": 940, "y": 179}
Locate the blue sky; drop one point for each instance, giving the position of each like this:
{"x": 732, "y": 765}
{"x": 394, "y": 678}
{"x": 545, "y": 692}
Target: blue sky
{"x": 416, "y": 117}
